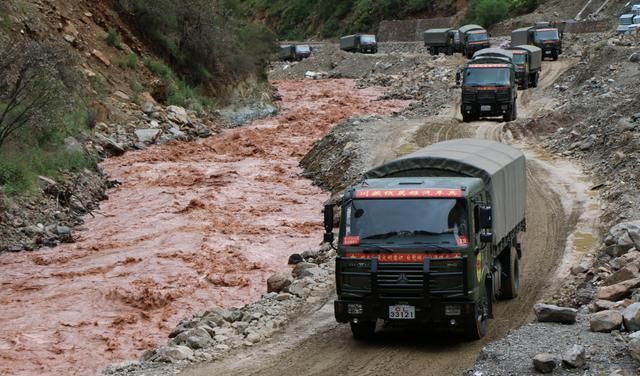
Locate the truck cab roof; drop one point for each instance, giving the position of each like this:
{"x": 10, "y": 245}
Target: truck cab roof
{"x": 439, "y": 187}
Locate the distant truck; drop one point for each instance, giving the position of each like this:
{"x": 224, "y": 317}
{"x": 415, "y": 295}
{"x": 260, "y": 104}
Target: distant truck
{"x": 294, "y": 52}
{"x": 364, "y": 43}
{"x": 528, "y": 64}
{"x": 446, "y": 41}
{"x": 624, "y": 22}
{"x": 473, "y": 38}
{"x": 431, "y": 238}
{"x": 548, "y": 39}
{"x": 489, "y": 86}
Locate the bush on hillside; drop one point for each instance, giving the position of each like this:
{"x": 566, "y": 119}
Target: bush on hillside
{"x": 490, "y": 12}
{"x": 204, "y": 40}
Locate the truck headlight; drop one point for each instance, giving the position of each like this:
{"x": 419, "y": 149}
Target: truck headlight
{"x": 355, "y": 309}
{"x": 452, "y": 310}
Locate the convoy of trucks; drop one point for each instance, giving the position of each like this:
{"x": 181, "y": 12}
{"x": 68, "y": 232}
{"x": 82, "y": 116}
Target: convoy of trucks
{"x": 489, "y": 86}
{"x": 294, "y": 52}
{"x": 528, "y": 64}
{"x": 442, "y": 40}
{"x": 431, "y": 238}
{"x": 549, "y": 39}
{"x": 363, "y": 43}
{"x": 630, "y": 22}
{"x": 473, "y": 38}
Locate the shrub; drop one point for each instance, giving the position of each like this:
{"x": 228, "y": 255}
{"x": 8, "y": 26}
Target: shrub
{"x": 113, "y": 39}
{"x": 489, "y": 12}
{"x": 131, "y": 61}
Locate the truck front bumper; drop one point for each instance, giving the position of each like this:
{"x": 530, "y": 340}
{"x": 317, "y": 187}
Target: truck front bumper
{"x": 489, "y": 109}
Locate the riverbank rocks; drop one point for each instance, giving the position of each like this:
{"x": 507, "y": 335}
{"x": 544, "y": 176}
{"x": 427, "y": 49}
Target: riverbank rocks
{"x": 626, "y": 273}
{"x": 605, "y": 321}
{"x": 553, "y": 313}
{"x": 544, "y": 363}
{"x": 622, "y": 237}
{"x": 619, "y": 290}
{"x": 278, "y": 282}
{"x": 306, "y": 269}
{"x": 172, "y": 354}
{"x": 574, "y": 357}
{"x": 631, "y": 317}
{"x": 634, "y": 345}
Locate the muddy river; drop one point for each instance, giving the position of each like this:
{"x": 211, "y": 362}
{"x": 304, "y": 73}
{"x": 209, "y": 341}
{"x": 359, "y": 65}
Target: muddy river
{"x": 193, "y": 225}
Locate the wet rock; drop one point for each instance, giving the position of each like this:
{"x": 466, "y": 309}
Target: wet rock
{"x": 605, "y": 321}
{"x": 574, "y": 357}
{"x": 631, "y": 317}
{"x": 147, "y": 136}
{"x": 553, "y": 313}
{"x": 544, "y": 363}
{"x": 173, "y": 353}
{"x": 110, "y": 146}
{"x": 306, "y": 269}
{"x": 64, "y": 233}
{"x": 278, "y": 282}
{"x": 295, "y": 258}
{"x": 619, "y": 290}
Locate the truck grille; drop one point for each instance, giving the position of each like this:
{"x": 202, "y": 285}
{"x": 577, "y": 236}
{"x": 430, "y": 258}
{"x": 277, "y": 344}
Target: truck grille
{"x": 407, "y": 280}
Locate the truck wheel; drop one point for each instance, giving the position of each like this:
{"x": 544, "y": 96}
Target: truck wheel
{"x": 363, "y": 330}
{"x": 449, "y": 51}
{"x": 467, "y": 118}
{"x": 478, "y": 326}
{"x": 511, "y": 283}
{"x": 554, "y": 55}
{"x": 508, "y": 116}
{"x": 525, "y": 84}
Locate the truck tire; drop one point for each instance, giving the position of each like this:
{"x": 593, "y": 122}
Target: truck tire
{"x": 432, "y": 51}
{"x": 467, "y": 118}
{"x": 512, "y": 114}
{"x": 477, "y": 328}
{"x": 363, "y": 330}
{"x": 449, "y": 51}
{"x": 525, "y": 83}
{"x": 510, "y": 283}
{"x": 554, "y": 55}
{"x": 533, "y": 80}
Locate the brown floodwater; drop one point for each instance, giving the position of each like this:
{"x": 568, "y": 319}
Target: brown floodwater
{"x": 193, "y": 225}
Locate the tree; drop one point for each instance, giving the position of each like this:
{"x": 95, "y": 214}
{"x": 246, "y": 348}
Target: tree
{"x": 34, "y": 78}
{"x": 489, "y": 12}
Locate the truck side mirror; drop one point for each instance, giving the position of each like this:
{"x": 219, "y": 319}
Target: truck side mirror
{"x": 328, "y": 223}
{"x": 485, "y": 217}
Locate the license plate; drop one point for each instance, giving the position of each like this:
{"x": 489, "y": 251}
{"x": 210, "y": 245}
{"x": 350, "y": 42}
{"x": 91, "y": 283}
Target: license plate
{"x": 402, "y": 312}
{"x": 485, "y": 108}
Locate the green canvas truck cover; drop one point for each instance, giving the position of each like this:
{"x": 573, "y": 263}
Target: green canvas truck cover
{"x": 494, "y": 52}
{"x": 502, "y": 168}
{"x": 520, "y": 36}
{"x": 535, "y": 56}
{"x": 467, "y": 28}
{"x": 436, "y": 37}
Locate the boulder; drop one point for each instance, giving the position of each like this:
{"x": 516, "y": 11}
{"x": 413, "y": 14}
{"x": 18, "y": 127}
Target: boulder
{"x": 574, "y": 357}
{"x": 177, "y": 114}
{"x": 173, "y": 353}
{"x": 232, "y": 315}
{"x": 634, "y": 57}
{"x": 298, "y": 288}
{"x": 553, "y": 313}
{"x": 634, "y": 348}
{"x": 602, "y": 305}
{"x": 148, "y": 108}
{"x": 544, "y": 363}
{"x": 624, "y": 234}
{"x": 605, "y": 321}
{"x": 295, "y": 258}
{"x": 110, "y": 146}
{"x": 619, "y": 290}
{"x": 278, "y": 282}
{"x": 631, "y": 317}
{"x": 624, "y": 274}
{"x": 147, "y": 136}
{"x": 305, "y": 269}
{"x": 101, "y": 57}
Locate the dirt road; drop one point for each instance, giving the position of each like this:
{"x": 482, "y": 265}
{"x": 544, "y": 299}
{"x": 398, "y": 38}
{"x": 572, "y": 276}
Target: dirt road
{"x": 193, "y": 225}
{"x": 556, "y": 203}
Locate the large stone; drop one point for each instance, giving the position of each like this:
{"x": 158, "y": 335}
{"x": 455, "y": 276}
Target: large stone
{"x": 148, "y": 136}
{"x": 602, "y": 305}
{"x": 177, "y": 114}
{"x": 624, "y": 274}
{"x": 295, "y": 258}
{"x": 173, "y": 353}
{"x": 619, "y": 290}
{"x": 574, "y": 357}
{"x": 634, "y": 348}
{"x": 605, "y": 321}
{"x": 298, "y": 288}
{"x": 553, "y": 313}
{"x": 624, "y": 234}
{"x": 102, "y": 57}
{"x": 305, "y": 269}
{"x": 148, "y": 108}
{"x": 278, "y": 282}
{"x": 631, "y": 317}
{"x": 544, "y": 363}
{"x": 110, "y": 146}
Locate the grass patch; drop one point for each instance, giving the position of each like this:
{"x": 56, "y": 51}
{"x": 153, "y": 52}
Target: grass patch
{"x": 136, "y": 88}
{"x": 131, "y": 61}
{"x": 113, "y": 39}
{"x": 179, "y": 92}
{"x": 99, "y": 85}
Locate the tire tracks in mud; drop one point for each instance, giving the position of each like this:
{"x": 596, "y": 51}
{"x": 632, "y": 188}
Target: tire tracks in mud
{"x": 317, "y": 345}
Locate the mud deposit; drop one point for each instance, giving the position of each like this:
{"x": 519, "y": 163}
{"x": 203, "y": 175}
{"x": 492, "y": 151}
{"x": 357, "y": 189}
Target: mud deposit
{"x": 193, "y": 225}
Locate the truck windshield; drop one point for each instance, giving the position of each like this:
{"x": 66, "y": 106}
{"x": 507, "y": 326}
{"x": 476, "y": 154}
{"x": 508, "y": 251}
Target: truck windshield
{"x": 519, "y": 59}
{"x": 303, "y": 49}
{"x": 477, "y": 37}
{"x": 437, "y": 222}
{"x": 367, "y": 39}
{"x": 487, "y": 77}
{"x": 542, "y": 35}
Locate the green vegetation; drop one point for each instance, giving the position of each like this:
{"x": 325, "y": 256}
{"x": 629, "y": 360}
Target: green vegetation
{"x": 206, "y": 45}
{"x": 131, "y": 61}
{"x": 113, "y": 39}
{"x": 177, "y": 92}
{"x": 490, "y": 12}
{"x": 297, "y": 19}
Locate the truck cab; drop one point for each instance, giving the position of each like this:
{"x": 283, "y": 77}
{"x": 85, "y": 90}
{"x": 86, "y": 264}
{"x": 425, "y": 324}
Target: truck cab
{"x": 473, "y": 38}
{"x": 416, "y": 237}
{"x": 521, "y": 65}
{"x": 303, "y": 51}
{"x": 549, "y": 40}
{"x": 489, "y": 86}
{"x": 624, "y": 22}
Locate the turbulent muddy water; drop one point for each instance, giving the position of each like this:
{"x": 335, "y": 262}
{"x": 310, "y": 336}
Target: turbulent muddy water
{"x": 193, "y": 225}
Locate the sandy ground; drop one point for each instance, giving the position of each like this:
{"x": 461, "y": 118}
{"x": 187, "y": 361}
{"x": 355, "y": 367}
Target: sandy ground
{"x": 193, "y": 225}
{"x": 556, "y": 201}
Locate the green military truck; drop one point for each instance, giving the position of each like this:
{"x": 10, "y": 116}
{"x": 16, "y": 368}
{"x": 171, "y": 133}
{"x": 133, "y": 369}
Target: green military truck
{"x": 363, "y": 43}
{"x": 548, "y": 39}
{"x": 431, "y": 238}
{"x": 528, "y": 64}
{"x": 473, "y": 38}
{"x": 294, "y": 52}
{"x": 442, "y": 40}
{"x": 489, "y": 86}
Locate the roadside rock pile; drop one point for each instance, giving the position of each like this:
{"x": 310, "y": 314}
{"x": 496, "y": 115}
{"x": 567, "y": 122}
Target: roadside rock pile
{"x": 213, "y": 334}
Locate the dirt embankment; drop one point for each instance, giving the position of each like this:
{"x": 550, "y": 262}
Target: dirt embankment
{"x": 193, "y": 225}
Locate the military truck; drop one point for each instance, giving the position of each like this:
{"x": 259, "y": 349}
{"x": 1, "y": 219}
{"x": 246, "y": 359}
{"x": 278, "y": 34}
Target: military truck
{"x": 546, "y": 38}
{"x": 294, "y": 52}
{"x": 431, "y": 238}
{"x": 528, "y": 64}
{"x": 624, "y": 22}
{"x": 489, "y": 86}
{"x": 442, "y": 40}
{"x": 364, "y": 43}
{"x": 473, "y": 38}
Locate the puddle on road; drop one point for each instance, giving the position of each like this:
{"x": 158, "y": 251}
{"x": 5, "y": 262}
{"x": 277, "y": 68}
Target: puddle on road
{"x": 193, "y": 225}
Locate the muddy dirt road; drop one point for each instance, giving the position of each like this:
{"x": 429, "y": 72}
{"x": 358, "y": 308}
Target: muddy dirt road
{"x": 556, "y": 203}
{"x": 193, "y": 225}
